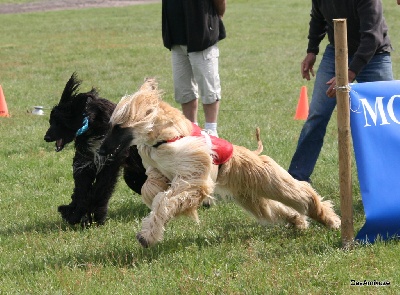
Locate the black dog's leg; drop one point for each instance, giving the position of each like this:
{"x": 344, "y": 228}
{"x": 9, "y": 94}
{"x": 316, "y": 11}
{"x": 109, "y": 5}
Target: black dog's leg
{"x": 134, "y": 172}
{"x": 84, "y": 175}
{"x": 134, "y": 179}
{"x": 103, "y": 188}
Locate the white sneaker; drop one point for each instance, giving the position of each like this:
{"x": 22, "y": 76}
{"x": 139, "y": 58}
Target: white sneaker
{"x": 211, "y": 132}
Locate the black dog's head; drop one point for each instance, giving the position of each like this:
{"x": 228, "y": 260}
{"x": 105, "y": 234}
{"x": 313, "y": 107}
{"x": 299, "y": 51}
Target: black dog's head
{"x": 68, "y": 117}
{"x": 117, "y": 140}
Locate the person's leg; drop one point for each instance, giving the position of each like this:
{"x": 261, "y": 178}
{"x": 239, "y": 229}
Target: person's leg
{"x": 211, "y": 112}
{"x": 211, "y": 117}
{"x": 320, "y": 111}
{"x": 185, "y": 87}
{"x": 190, "y": 109}
{"x": 205, "y": 71}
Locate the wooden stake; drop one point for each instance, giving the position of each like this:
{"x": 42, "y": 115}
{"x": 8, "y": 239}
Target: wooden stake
{"x": 343, "y": 121}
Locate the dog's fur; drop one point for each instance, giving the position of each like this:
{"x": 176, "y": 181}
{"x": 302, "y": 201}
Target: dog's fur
{"x": 181, "y": 173}
{"x": 94, "y": 176}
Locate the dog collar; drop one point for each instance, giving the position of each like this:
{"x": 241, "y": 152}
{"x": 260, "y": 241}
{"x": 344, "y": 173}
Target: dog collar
{"x": 85, "y": 126}
{"x": 159, "y": 143}
{"x": 166, "y": 141}
{"x": 196, "y": 131}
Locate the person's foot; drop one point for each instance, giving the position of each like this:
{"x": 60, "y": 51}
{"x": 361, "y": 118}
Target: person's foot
{"x": 211, "y": 132}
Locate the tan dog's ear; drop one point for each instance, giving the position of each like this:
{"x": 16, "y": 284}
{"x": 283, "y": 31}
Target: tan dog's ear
{"x": 149, "y": 84}
{"x": 121, "y": 112}
{"x": 138, "y": 108}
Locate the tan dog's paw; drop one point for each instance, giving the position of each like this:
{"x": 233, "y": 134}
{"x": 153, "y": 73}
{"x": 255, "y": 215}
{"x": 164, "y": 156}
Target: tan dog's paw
{"x": 334, "y": 223}
{"x": 208, "y": 202}
{"x": 298, "y": 221}
{"x": 142, "y": 241}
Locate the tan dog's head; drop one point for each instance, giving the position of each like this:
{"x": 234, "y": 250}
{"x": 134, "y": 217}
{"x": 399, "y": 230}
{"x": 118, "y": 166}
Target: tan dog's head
{"x": 132, "y": 119}
{"x": 139, "y": 109}
{"x": 144, "y": 119}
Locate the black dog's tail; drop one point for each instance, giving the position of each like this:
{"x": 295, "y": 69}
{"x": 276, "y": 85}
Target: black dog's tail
{"x": 71, "y": 88}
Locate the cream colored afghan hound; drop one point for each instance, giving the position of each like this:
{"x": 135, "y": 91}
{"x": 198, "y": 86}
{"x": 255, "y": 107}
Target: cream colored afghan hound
{"x": 184, "y": 168}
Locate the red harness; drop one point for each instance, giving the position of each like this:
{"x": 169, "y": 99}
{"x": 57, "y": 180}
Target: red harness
{"x": 222, "y": 149}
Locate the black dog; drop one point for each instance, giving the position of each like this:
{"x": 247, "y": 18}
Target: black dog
{"x": 84, "y": 118}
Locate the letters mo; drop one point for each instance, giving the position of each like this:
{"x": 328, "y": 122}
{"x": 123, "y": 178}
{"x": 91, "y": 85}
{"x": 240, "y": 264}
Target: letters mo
{"x": 379, "y": 111}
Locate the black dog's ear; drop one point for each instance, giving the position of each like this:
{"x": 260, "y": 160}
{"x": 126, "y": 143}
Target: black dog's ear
{"x": 71, "y": 88}
{"x": 81, "y": 100}
{"x": 79, "y": 103}
{"x": 94, "y": 92}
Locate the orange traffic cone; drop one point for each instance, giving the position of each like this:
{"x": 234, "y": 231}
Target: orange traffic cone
{"x": 302, "y": 105}
{"x": 3, "y": 105}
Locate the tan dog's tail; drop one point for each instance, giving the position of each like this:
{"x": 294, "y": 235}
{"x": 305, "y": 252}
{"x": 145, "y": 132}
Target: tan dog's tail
{"x": 260, "y": 147}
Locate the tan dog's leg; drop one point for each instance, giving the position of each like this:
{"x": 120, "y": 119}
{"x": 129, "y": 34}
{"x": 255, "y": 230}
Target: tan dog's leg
{"x": 250, "y": 178}
{"x": 180, "y": 198}
{"x": 270, "y": 212}
{"x": 155, "y": 183}
{"x": 321, "y": 211}
{"x": 299, "y": 195}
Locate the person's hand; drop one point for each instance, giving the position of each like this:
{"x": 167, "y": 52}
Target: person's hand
{"x": 307, "y": 66}
{"x": 351, "y": 75}
{"x": 331, "y": 92}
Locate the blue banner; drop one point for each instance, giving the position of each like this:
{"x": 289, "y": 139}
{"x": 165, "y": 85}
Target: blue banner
{"x": 375, "y": 128}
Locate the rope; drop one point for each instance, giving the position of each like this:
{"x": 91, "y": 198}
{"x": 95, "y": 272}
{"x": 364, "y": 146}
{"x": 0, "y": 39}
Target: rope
{"x": 345, "y": 88}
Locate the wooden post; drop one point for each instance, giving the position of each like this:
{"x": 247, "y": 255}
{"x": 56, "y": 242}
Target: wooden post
{"x": 343, "y": 121}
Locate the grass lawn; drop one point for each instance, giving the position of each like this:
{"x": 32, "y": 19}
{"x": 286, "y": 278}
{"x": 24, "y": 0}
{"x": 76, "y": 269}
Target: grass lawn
{"x": 114, "y": 49}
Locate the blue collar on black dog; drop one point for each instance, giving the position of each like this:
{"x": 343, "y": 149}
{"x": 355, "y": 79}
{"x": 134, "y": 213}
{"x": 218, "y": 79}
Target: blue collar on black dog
{"x": 85, "y": 126}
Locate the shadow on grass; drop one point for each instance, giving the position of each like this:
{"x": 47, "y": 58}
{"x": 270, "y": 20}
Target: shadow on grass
{"x": 125, "y": 252}
{"x": 273, "y": 243}
{"x": 39, "y": 226}
{"x": 133, "y": 211}
{"x": 129, "y": 211}
{"x": 217, "y": 232}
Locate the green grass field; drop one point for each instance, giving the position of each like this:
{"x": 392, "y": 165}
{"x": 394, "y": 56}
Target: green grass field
{"x": 114, "y": 49}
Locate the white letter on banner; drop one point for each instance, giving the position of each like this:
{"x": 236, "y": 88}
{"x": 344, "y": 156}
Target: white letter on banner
{"x": 372, "y": 113}
{"x": 391, "y": 110}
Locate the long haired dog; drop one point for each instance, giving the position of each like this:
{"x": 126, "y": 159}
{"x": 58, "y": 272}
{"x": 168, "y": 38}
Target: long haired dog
{"x": 84, "y": 118}
{"x": 181, "y": 170}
